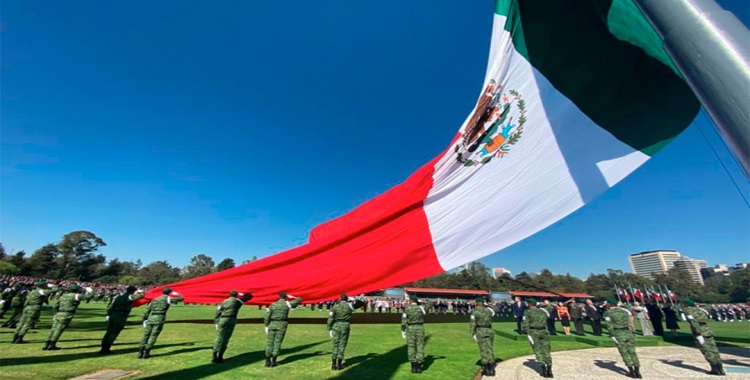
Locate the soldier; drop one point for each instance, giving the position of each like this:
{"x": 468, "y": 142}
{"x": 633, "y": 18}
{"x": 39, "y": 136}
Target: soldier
{"x": 65, "y": 309}
{"x": 17, "y": 305}
{"x": 338, "y": 327}
{"x": 412, "y": 329}
{"x": 7, "y": 297}
{"x": 277, "y": 315}
{"x": 535, "y": 327}
{"x": 153, "y": 320}
{"x": 225, "y": 320}
{"x": 698, "y": 318}
{"x": 481, "y": 330}
{"x": 620, "y": 327}
{"x": 117, "y": 315}
{"x": 31, "y": 311}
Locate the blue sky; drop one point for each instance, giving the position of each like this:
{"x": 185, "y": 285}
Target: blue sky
{"x": 171, "y": 129}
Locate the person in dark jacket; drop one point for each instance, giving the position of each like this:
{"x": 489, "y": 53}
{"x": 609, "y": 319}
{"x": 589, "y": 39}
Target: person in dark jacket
{"x": 518, "y": 309}
{"x": 593, "y": 314}
{"x": 655, "y": 314}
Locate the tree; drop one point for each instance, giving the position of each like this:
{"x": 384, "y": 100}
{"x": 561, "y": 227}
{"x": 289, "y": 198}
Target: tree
{"x": 741, "y": 286}
{"x": 8, "y": 268}
{"x": 225, "y": 264}
{"x": 3, "y": 254}
{"x": 42, "y": 261}
{"x": 254, "y": 258}
{"x": 19, "y": 261}
{"x": 159, "y": 273}
{"x": 78, "y": 254}
{"x": 200, "y": 265}
{"x": 131, "y": 268}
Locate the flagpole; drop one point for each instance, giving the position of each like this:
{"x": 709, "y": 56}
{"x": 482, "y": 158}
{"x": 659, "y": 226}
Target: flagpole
{"x": 708, "y": 45}
{"x": 632, "y": 293}
{"x": 617, "y": 291}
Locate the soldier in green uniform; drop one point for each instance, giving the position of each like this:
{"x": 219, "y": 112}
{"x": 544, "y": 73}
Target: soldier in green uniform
{"x": 65, "y": 308}
{"x": 16, "y": 303}
{"x": 481, "y": 330}
{"x": 619, "y": 325}
{"x": 534, "y": 325}
{"x": 698, "y": 319}
{"x": 153, "y": 320}
{"x": 277, "y": 315}
{"x": 31, "y": 311}
{"x": 7, "y": 297}
{"x": 117, "y": 316}
{"x": 338, "y": 327}
{"x": 225, "y": 320}
{"x": 412, "y": 329}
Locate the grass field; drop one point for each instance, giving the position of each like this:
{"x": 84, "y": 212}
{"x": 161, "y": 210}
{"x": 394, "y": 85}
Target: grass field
{"x": 375, "y": 351}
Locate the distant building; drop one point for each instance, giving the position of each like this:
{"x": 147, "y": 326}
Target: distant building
{"x": 693, "y": 267}
{"x": 499, "y": 272}
{"x": 649, "y": 263}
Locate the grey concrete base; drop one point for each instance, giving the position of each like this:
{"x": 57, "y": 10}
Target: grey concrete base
{"x": 605, "y": 363}
{"x": 107, "y": 374}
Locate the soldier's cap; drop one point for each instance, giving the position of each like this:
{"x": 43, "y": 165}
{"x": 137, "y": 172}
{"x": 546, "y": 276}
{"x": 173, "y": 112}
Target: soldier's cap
{"x": 75, "y": 288}
{"x": 344, "y": 296}
{"x": 131, "y": 289}
{"x": 479, "y": 299}
{"x": 17, "y": 285}
{"x": 233, "y": 293}
{"x": 282, "y": 295}
{"x": 611, "y": 301}
{"x": 689, "y": 302}
{"x": 413, "y": 297}
{"x": 41, "y": 283}
{"x": 531, "y": 300}
{"x": 166, "y": 291}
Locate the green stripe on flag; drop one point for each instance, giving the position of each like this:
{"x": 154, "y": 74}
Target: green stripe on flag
{"x": 622, "y": 88}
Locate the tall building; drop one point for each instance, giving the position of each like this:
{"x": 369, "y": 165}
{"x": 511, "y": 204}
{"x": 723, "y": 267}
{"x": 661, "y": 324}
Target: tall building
{"x": 648, "y": 263}
{"x": 693, "y": 267}
{"x": 499, "y": 272}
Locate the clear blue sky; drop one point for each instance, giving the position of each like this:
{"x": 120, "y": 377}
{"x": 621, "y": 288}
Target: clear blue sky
{"x": 174, "y": 128}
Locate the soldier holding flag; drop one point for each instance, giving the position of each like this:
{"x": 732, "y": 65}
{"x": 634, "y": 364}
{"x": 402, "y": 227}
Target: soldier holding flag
{"x": 153, "y": 320}
{"x": 338, "y": 327}
{"x": 276, "y": 321}
{"x": 225, "y": 320}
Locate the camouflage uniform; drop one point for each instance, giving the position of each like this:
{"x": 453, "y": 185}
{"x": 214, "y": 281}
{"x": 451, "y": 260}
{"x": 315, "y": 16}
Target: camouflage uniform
{"x": 225, "y": 320}
{"x": 65, "y": 309}
{"x": 481, "y": 330}
{"x": 534, "y": 325}
{"x": 117, "y": 316}
{"x": 412, "y": 326}
{"x": 698, "y": 320}
{"x": 338, "y": 328}
{"x": 276, "y": 322}
{"x": 153, "y": 321}
{"x": 17, "y": 304}
{"x": 619, "y": 322}
{"x": 31, "y": 311}
{"x": 8, "y": 294}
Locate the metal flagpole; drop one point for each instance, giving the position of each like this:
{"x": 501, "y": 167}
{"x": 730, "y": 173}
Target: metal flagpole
{"x": 708, "y": 45}
{"x": 617, "y": 291}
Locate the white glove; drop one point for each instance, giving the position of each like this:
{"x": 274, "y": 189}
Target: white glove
{"x": 217, "y": 327}
{"x": 330, "y": 332}
{"x": 144, "y": 324}
{"x": 2, "y": 302}
{"x": 700, "y": 339}
{"x": 531, "y": 340}
{"x": 615, "y": 339}
{"x": 266, "y": 330}
{"x": 291, "y": 297}
{"x": 475, "y": 338}
{"x": 174, "y": 293}
{"x": 107, "y": 319}
{"x": 139, "y": 291}
{"x": 403, "y": 334}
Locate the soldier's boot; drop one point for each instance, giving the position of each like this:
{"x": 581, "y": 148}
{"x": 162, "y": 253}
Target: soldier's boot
{"x": 146, "y": 353}
{"x": 46, "y": 345}
{"x": 631, "y": 372}
{"x": 53, "y": 346}
{"x": 419, "y": 367}
{"x": 714, "y": 370}
{"x": 214, "y": 357}
{"x": 413, "y": 367}
{"x": 141, "y": 350}
{"x": 637, "y": 372}
{"x": 544, "y": 370}
{"x": 491, "y": 367}
{"x": 720, "y": 367}
{"x": 333, "y": 364}
{"x": 273, "y": 361}
{"x": 268, "y": 361}
{"x": 549, "y": 371}
{"x": 105, "y": 349}
{"x": 15, "y": 339}
{"x": 221, "y": 356}
{"x": 339, "y": 364}
{"x": 484, "y": 370}
{"x": 19, "y": 340}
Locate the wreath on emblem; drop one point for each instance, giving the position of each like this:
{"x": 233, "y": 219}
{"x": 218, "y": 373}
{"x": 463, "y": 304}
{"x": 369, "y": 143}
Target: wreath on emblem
{"x": 481, "y": 145}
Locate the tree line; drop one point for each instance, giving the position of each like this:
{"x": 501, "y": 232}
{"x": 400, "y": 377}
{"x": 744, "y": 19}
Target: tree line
{"x": 76, "y": 257}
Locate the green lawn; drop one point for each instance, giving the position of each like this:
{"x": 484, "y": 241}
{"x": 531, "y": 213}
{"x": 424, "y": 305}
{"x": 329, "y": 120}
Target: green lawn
{"x": 375, "y": 351}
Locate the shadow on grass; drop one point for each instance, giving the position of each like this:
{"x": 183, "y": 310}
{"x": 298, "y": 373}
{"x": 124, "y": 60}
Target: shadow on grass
{"x": 381, "y": 366}
{"x": 75, "y": 356}
{"x": 294, "y": 358}
{"x": 610, "y": 365}
{"x": 232, "y": 362}
{"x": 681, "y": 364}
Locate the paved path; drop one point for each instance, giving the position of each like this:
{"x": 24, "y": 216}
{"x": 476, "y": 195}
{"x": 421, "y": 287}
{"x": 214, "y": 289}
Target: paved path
{"x": 605, "y": 364}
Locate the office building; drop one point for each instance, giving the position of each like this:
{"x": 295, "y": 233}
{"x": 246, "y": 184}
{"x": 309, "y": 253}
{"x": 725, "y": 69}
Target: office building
{"x": 649, "y": 263}
{"x": 499, "y": 272}
{"x": 693, "y": 267}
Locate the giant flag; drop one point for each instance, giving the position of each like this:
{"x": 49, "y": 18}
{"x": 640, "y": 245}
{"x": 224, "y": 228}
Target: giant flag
{"x": 577, "y": 95}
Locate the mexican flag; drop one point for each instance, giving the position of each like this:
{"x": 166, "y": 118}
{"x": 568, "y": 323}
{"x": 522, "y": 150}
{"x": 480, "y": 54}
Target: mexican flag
{"x": 577, "y": 95}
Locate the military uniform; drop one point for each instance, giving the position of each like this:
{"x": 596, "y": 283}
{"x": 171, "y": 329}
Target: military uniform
{"x": 65, "y": 309}
{"x": 8, "y": 294}
{"x": 481, "y": 330}
{"x": 535, "y": 327}
{"x": 225, "y": 320}
{"x": 338, "y": 328}
{"x": 619, "y": 322}
{"x": 117, "y": 316}
{"x": 153, "y": 321}
{"x": 275, "y": 321}
{"x": 698, "y": 319}
{"x": 31, "y": 311}
{"x": 17, "y": 305}
{"x": 412, "y": 329}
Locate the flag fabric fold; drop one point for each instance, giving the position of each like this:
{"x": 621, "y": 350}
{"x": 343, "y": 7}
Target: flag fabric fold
{"x": 577, "y": 95}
